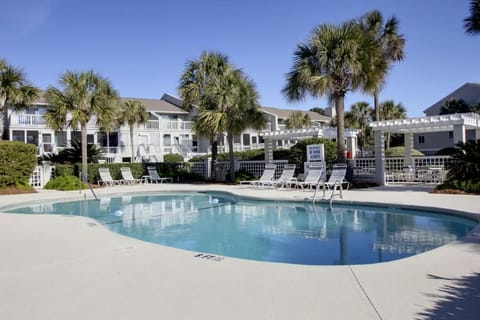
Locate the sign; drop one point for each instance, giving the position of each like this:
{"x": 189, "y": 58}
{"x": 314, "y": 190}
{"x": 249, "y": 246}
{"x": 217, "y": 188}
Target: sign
{"x": 315, "y": 152}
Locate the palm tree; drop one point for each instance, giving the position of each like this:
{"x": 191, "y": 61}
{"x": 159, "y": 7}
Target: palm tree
{"x": 298, "y": 119}
{"x": 15, "y": 92}
{"x": 237, "y": 108}
{"x": 328, "y": 64}
{"x": 362, "y": 112}
{"x": 196, "y": 81}
{"x": 389, "y": 111}
{"x": 466, "y": 161}
{"x": 455, "y": 106}
{"x": 383, "y": 46}
{"x": 472, "y": 22}
{"x": 132, "y": 113}
{"x": 83, "y": 96}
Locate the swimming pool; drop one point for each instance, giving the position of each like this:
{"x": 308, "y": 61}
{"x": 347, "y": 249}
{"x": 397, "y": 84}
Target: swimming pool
{"x": 277, "y": 231}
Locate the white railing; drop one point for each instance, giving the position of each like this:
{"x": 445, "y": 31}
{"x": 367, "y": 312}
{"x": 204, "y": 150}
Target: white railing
{"x": 27, "y": 120}
{"x": 167, "y": 125}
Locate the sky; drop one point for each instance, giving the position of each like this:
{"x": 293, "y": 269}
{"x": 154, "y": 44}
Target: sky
{"x": 143, "y": 46}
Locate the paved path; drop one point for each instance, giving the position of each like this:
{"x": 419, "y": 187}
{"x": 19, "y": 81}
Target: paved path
{"x": 64, "y": 267}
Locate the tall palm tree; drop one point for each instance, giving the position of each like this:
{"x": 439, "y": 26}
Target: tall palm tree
{"x": 362, "y": 112}
{"x": 133, "y": 113}
{"x": 298, "y": 119}
{"x": 82, "y": 96}
{"x": 196, "y": 83}
{"x": 237, "y": 108}
{"x": 389, "y": 111}
{"x": 15, "y": 92}
{"x": 472, "y": 22}
{"x": 328, "y": 64}
{"x": 383, "y": 46}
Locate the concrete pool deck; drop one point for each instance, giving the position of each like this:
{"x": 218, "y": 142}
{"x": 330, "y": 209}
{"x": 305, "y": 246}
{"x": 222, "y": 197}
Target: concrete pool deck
{"x": 70, "y": 267}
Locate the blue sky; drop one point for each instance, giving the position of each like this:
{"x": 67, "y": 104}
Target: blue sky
{"x": 142, "y": 46}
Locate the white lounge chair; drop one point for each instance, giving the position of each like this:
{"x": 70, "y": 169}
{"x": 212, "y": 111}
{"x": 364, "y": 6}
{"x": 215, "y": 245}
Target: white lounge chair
{"x": 155, "y": 178}
{"x": 106, "y": 178}
{"x": 313, "y": 177}
{"x": 266, "y": 177}
{"x": 128, "y": 177}
{"x": 335, "y": 181}
{"x": 286, "y": 178}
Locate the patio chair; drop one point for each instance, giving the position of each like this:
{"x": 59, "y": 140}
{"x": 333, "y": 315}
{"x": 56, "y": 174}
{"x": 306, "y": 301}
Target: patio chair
{"x": 286, "y": 178}
{"x": 313, "y": 177}
{"x": 128, "y": 177}
{"x": 266, "y": 177}
{"x": 155, "y": 178}
{"x": 106, "y": 178}
{"x": 335, "y": 181}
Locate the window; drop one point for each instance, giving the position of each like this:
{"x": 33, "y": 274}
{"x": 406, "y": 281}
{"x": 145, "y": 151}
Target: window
{"x": 450, "y": 134}
{"x": 246, "y": 139}
{"x": 18, "y": 136}
{"x": 109, "y": 139}
{"x": 254, "y": 139}
{"x": 236, "y": 139}
{"x": 421, "y": 139}
{"x": 61, "y": 138}
{"x": 77, "y": 135}
{"x": 32, "y": 137}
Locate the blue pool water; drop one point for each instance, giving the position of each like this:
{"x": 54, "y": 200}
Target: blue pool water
{"x": 289, "y": 232}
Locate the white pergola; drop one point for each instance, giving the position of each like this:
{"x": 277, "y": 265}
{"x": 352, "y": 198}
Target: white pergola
{"x": 457, "y": 123}
{"x": 290, "y": 134}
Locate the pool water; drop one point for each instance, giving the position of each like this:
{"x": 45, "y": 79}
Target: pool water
{"x": 277, "y": 231}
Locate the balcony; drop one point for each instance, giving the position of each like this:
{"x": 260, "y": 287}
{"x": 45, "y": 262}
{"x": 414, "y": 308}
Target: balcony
{"x": 166, "y": 125}
{"x": 27, "y": 120}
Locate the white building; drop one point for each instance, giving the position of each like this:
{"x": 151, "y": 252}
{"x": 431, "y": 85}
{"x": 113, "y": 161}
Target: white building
{"x": 169, "y": 130}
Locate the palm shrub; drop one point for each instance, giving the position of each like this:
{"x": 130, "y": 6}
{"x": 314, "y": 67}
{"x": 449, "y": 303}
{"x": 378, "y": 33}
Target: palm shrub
{"x": 73, "y": 154}
{"x": 465, "y": 161}
{"x": 464, "y": 170}
{"x": 65, "y": 183}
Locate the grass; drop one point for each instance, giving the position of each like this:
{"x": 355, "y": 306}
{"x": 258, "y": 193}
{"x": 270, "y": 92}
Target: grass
{"x": 16, "y": 190}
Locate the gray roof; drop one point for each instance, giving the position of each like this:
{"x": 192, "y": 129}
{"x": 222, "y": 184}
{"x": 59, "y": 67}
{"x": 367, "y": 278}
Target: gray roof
{"x": 469, "y": 92}
{"x": 158, "y": 105}
{"x": 285, "y": 114}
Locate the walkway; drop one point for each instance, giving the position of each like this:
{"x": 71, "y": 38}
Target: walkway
{"x": 64, "y": 267}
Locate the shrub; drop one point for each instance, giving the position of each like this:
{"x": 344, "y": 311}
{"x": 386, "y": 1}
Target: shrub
{"x": 400, "y": 152}
{"x": 298, "y": 153}
{"x": 65, "y": 183}
{"x": 172, "y": 158}
{"x": 17, "y": 161}
{"x": 462, "y": 185}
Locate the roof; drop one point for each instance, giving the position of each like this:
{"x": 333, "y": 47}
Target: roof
{"x": 158, "y": 105}
{"x": 285, "y": 114}
{"x": 469, "y": 92}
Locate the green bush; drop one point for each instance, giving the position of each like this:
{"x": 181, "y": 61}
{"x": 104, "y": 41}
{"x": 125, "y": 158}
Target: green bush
{"x": 400, "y": 152}
{"x": 17, "y": 161}
{"x": 298, "y": 153}
{"x": 462, "y": 185}
{"x": 65, "y": 183}
{"x": 172, "y": 158}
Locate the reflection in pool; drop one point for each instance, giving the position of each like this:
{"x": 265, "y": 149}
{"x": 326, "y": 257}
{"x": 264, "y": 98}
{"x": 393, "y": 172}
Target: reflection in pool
{"x": 280, "y": 231}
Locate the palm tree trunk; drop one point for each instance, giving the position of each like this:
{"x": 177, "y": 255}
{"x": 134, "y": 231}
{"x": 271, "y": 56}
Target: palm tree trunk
{"x": 84, "y": 153}
{"x": 214, "y": 155}
{"x": 5, "y": 122}
{"x": 231, "y": 157}
{"x": 388, "y": 140}
{"x": 339, "y": 106}
{"x": 376, "y": 106}
{"x": 131, "y": 143}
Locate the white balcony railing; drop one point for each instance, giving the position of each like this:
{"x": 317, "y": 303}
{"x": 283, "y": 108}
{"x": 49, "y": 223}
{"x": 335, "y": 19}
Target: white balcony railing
{"x": 27, "y": 120}
{"x": 166, "y": 125}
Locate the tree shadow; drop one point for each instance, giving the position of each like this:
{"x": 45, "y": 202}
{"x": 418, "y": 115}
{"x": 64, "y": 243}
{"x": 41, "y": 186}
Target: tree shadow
{"x": 459, "y": 299}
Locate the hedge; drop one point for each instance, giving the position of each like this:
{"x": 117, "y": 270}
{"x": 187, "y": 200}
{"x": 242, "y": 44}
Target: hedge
{"x": 17, "y": 162}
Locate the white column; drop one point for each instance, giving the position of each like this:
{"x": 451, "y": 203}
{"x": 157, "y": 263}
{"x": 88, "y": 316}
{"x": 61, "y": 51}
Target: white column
{"x": 459, "y": 134}
{"x": 352, "y": 146}
{"x": 379, "y": 157}
{"x": 268, "y": 143}
{"x": 408, "y": 137}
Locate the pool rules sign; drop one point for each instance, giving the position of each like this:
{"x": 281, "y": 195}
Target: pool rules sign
{"x": 315, "y": 152}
